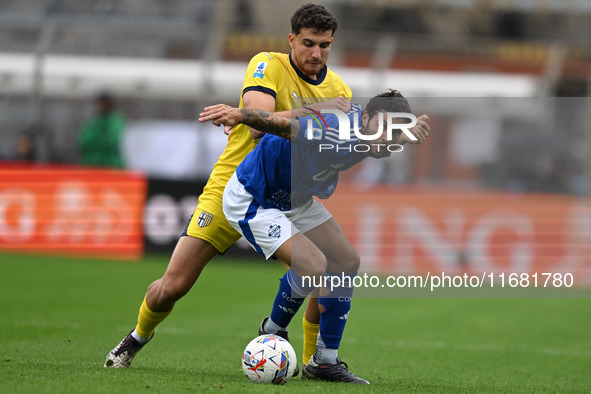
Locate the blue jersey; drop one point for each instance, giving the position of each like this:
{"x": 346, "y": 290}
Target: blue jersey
{"x": 283, "y": 174}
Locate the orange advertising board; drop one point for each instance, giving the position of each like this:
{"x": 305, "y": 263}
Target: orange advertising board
{"x": 419, "y": 231}
{"x": 70, "y": 210}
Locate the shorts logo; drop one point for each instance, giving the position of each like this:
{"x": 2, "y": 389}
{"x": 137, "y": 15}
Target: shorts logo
{"x": 274, "y": 231}
{"x": 259, "y": 72}
{"x": 204, "y": 219}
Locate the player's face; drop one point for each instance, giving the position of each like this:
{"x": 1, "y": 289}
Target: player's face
{"x": 310, "y": 49}
{"x": 379, "y": 146}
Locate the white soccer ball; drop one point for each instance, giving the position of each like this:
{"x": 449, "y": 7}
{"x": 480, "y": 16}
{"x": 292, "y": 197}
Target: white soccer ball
{"x": 269, "y": 359}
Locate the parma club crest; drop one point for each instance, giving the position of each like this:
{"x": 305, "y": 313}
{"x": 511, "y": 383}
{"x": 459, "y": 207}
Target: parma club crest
{"x": 204, "y": 219}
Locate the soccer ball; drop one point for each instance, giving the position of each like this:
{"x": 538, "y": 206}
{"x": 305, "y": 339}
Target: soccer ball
{"x": 269, "y": 359}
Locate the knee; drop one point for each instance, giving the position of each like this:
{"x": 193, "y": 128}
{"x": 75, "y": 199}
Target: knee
{"x": 313, "y": 267}
{"x": 348, "y": 262}
{"x": 355, "y": 261}
{"x": 319, "y": 267}
{"x": 167, "y": 291}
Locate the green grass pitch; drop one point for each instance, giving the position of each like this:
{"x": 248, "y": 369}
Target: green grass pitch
{"x": 59, "y": 317}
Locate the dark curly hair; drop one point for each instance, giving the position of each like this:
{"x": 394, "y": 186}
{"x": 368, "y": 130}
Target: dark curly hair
{"x": 389, "y": 101}
{"x": 313, "y": 16}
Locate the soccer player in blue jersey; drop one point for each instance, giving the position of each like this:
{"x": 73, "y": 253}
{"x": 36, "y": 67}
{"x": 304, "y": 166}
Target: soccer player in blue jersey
{"x": 269, "y": 200}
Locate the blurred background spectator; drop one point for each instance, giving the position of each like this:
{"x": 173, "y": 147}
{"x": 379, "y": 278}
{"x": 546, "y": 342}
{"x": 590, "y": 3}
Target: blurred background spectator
{"x": 25, "y": 148}
{"x": 100, "y": 137}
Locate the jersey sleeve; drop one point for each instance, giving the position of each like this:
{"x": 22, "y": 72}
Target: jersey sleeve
{"x": 264, "y": 74}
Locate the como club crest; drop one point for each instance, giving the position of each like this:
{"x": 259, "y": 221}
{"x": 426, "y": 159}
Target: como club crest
{"x": 204, "y": 219}
{"x": 274, "y": 231}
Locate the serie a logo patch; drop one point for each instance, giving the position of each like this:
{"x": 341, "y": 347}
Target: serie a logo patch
{"x": 204, "y": 219}
{"x": 259, "y": 72}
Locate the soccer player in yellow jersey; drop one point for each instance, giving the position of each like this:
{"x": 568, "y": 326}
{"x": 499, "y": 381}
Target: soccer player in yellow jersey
{"x": 274, "y": 82}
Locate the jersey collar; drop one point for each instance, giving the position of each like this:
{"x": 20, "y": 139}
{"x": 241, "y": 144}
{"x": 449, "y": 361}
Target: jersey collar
{"x": 319, "y": 78}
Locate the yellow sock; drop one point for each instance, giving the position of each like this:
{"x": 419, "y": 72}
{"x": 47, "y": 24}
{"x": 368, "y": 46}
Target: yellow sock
{"x": 310, "y": 337}
{"x": 148, "y": 320}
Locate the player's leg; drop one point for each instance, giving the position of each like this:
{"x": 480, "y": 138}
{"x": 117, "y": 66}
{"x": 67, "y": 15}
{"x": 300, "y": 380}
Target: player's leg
{"x": 270, "y": 232}
{"x": 311, "y": 327}
{"x": 334, "y": 303}
{"x": 308, "y": 265}
{"x": 334, "y": 300}
{"x": 207, "y": 234}
{"x": 341, "y": 256}
{"x": 293, "y": 288}
{"x": 188, "y": 260}
{"x": 311, "y": 319}
{"x": 186, "y": 264}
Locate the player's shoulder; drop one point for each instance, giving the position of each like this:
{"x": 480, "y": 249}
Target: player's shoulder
{"x": 269, "y": 57}
{"x": 332, "y": 75}
{"x": 335, "y": 80}
{"x": 267, "y": 62}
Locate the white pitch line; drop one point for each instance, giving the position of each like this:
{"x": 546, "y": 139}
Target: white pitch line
{"x": 479, "y": 347}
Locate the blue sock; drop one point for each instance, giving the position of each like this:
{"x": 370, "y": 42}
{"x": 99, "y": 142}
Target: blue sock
{"x": 292, "y": 293}
{"x": 337, "y": 305}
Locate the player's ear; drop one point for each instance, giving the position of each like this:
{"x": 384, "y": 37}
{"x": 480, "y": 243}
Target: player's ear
{"x": 291, "y": 37}
{"x": 364, "y": 119}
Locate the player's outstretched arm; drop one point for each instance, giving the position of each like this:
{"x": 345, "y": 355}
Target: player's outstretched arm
{"x": 340, "y": 103}
{"x": 221, "y": 114}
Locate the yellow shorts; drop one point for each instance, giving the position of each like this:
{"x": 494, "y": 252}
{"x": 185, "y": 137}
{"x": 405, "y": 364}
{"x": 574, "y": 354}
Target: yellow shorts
{"x": 209, "y": 223}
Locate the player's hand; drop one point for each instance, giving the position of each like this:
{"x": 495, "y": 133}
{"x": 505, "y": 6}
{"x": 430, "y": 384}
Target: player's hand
{"x": 340, "y": 103}
{"x": 420, "y": 131}
{"x": 221, "y": 114}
